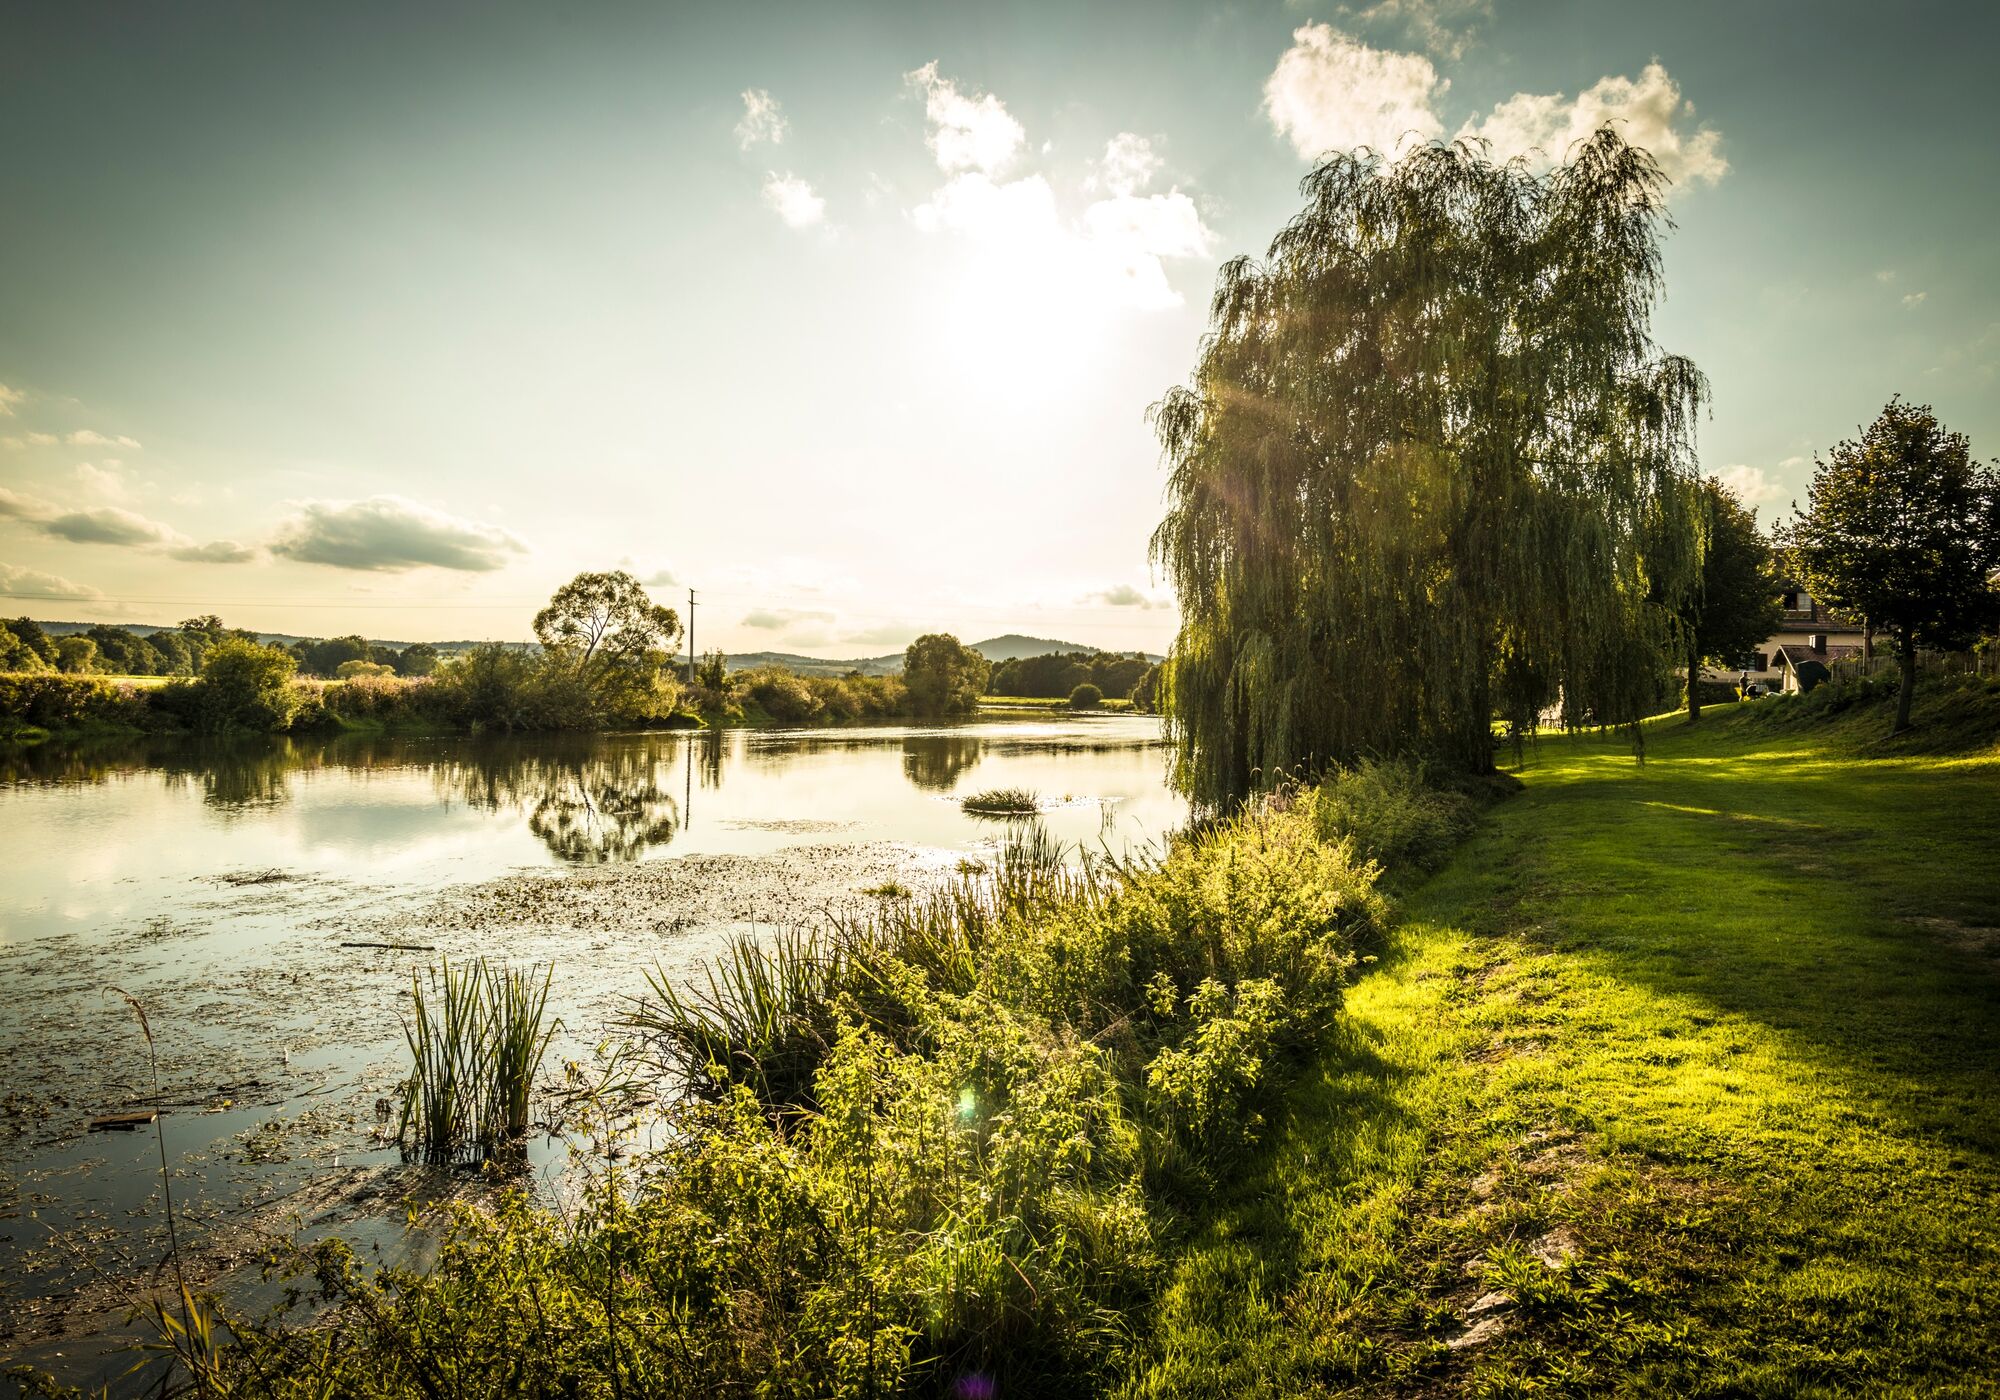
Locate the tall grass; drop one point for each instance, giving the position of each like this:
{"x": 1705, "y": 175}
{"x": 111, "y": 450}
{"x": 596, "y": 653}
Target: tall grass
{"x": 764, "y": 1019}
{"x": 1001, "y": 802}
{"x": 477, "y": 1035}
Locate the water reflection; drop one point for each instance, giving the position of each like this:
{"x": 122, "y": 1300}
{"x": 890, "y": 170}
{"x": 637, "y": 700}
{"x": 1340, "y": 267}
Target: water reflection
{"x": 594, "y": 799}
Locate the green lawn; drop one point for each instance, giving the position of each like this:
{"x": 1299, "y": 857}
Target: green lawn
{"x": 1689, "y": 1072}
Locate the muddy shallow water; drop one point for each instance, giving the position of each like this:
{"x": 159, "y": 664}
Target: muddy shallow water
{"x": 218, "y": 884}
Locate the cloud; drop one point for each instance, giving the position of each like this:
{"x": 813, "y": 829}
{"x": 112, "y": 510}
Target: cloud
{"x": 1647, "y": 112}
{"x": 1124, "y": 595}
{"x": 1329, "y": 92}
{"x": 17, "y": 582}
{"x": 214, "y": 552}
{"x": 389, "y": 534}
{"x": 794, "y": 200}
{"x": 762, "y": 122}
{"x": 1752, "y": 485}
{"x": 103, "y": 481}
{"x": 783, "y": 619}
{"x": 885, "y": 635}
{"x": 1129, "y": 164}
{"x": 1114, "y": 248}
{"x": 1441, "y": 27}
{"x": 86, "y": 437}
{"x": 16, "y": 506}
{"x": 111, "y": 525}
{"x": 1916, "y": 298}
{"x": 8, "y": 398}
{"x": 21, "y": 444}
{"x": 967, "y": 133}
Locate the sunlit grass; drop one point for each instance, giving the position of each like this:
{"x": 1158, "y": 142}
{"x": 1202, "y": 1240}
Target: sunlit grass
{"x": 1714, "y": 1034}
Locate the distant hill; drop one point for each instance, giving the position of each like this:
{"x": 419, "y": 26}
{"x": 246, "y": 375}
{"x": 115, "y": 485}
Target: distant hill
{"x": 1011, "y": 647}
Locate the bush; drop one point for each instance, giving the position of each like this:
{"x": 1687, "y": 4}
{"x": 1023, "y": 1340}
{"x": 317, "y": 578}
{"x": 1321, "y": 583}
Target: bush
{"x": 243, "y": 686}
{"x": 348, "y": 670}
{"x": 1392, "y": 815}
{"x": 1086, "y": 697}
{"x": 1717, "y": 692}
{"x": 941, "y": 1140}
{"x": 48, "y": 700}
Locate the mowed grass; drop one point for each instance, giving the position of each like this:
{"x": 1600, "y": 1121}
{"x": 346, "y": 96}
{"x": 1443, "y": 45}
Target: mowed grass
{"x": 1681, "y": 1079}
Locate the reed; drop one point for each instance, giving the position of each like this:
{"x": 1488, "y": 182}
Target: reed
{"x": 1001, "y": 802}
{"x": 764, "y": 1018}
{"x": 477, "y": 1035}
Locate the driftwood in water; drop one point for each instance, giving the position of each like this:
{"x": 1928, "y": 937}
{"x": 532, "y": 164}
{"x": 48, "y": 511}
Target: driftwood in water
{"x": 123, "y": 1122}
{"x": 400, "y": 947}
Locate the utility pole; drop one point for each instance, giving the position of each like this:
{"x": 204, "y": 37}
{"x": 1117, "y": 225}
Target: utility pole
{"x": 690, "y": 636}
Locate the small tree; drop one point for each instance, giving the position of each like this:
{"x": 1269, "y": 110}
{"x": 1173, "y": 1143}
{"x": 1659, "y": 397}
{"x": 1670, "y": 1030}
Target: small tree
{"x": 348, "y": 670}
{"x": 245, "y": 685}
{"x": 1903, "y": 531}
{"x": 608, "y": 634}
{"x": 1738, "y": 603}
{"x": 944, "y": 677}
{"x": 417, "y": 659}
{"x": 1086, "y": 697}
{"x": 76, "y": 655}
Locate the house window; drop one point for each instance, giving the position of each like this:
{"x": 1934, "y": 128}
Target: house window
{"x": 1759, "y": 661}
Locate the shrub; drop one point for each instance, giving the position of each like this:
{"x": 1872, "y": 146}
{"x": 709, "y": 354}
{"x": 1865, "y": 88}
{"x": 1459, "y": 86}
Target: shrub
{"x": 1086, "y": 697}
{"x": 243, "y": 686}
{"x": 1392, "y": 815}
{"x": 48, "y": 700}
{"x": 348, "y": 670}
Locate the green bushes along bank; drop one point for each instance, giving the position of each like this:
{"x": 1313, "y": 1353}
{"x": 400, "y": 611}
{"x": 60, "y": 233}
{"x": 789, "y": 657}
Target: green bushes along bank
{"x": 945, "y": 1149}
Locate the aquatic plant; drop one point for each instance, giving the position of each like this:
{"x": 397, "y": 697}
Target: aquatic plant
{"x": 476, "y": 1035}
{"x": 1001, "y": 802}
{"x": 763, "y": 1019}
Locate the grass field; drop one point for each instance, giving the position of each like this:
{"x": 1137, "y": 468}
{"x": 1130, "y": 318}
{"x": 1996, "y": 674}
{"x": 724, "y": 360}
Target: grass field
{"x": 1681, "y": 1079}
{"x": 1040, "y": 702}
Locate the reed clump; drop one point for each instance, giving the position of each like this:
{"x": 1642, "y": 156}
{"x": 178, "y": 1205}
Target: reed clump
{"x": 477, "y": 1033}
{"x": 1001, "y": 802}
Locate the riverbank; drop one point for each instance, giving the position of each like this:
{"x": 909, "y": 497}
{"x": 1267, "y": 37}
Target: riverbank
{"x": 1677, "y": 1081}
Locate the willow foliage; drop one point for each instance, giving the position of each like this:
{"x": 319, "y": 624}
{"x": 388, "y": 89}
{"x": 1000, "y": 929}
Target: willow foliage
{"x": 1430, "y": 467}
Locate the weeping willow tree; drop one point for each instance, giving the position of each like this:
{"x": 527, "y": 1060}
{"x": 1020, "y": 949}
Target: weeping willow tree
{"x": 1430, "y": 469}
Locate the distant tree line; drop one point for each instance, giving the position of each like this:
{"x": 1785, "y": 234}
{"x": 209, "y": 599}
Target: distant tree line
{"x": 104, "y": 650}
{"x": 1056, "y": 675}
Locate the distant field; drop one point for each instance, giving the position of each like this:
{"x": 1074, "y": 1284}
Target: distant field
{"x": 122, "y": 680}
{"x": 1040, "y": 702}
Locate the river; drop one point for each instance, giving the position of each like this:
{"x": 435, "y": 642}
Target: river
{"x": 223, "y": 885}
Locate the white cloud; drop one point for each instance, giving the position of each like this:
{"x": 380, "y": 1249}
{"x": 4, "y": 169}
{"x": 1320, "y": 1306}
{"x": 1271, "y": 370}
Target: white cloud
{"x": 794, "y": 200}
{"x": 111, "y": 525}
{"x": 8, "y": 398}
{"x": 783, "y": 619}
{"x": 967, "y": 133}
{"x": 389, "y": 534}
{"x": 1647, "y": 112}
{"x": 762, "y": 122}
{"x": 1916, "y": 298}
{"x": 17, "y": 506}
{"x": 22, "y": 444}
{"x": 1329, "y": 92}
{"x": 85, "y": 437}
{"x": 1124, "y": 595}
{"x": 1129, "y": 164}
{"x": 1752, "y": 485}
{"x": 18, "y": 582}
{"x": 214, "y": 552}
{"x": 1114, "y": 248}
{"x": 104, "y": 481}
{"x": 1441, "y": 27}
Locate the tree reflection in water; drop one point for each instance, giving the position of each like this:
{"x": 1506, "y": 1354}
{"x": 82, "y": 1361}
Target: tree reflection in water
{"x": 588, "y": 807}
{"x": 935, "y": 762}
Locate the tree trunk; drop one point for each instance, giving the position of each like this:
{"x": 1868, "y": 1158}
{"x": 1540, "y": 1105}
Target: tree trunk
{"x": 1694, "y": 686}
{"x": 1907, "y": 652}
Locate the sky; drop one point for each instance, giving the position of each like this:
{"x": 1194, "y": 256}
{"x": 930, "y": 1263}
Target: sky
{"x": 389, "y": 319}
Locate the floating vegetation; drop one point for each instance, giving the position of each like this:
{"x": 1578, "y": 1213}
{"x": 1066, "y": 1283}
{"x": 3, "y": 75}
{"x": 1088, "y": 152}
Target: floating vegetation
{"x": 888, "y": 889}
{"x": 476, "y": 1038}
{"x": 1001, "y": 802}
